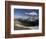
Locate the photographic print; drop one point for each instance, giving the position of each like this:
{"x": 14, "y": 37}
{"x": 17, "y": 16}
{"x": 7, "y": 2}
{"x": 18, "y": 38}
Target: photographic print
{"x": 26, "y": 19}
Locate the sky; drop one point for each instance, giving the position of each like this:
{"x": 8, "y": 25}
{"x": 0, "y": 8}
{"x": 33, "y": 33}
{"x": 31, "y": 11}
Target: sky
{"x": 21, "y": 12}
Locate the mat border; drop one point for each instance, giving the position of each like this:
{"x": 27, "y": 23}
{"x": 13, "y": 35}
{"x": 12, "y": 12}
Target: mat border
{"x": 8, "y": 19}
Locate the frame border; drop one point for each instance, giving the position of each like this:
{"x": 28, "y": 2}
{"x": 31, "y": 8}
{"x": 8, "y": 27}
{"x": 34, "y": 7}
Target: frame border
{"x": 8, "y": 19}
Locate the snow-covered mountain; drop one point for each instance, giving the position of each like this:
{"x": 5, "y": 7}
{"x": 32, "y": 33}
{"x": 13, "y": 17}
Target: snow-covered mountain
{"x": 28, "y": 16}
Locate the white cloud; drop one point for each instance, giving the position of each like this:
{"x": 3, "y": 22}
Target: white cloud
{"x": 31, "y": 13}
{"x": 26, "y": 13}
